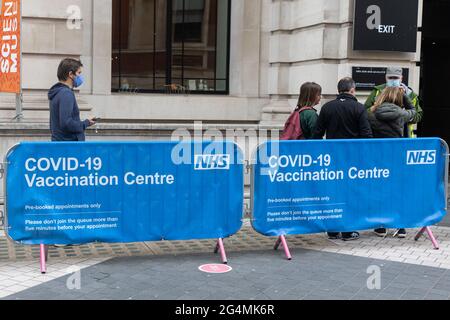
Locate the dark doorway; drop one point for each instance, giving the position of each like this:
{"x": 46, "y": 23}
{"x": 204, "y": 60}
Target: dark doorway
{"x": 435, "y": 88}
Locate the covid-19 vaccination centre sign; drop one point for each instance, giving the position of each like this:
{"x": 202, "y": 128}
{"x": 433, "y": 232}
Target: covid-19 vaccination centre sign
{"x": 68, "y": 193}
{"x": 302, "y": 187}
{"x": 123, "y": 192}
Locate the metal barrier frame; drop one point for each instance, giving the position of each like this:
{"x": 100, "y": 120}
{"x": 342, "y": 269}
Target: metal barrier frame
{"x": 282, "y": 238}
{"x": 5, "y": 191}
{"x": 2, "y": 212}
{"x": 427, "y": 229}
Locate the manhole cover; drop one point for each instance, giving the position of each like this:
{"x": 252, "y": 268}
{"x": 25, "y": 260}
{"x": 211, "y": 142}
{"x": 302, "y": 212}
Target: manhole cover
{"x": 215, "y": 268}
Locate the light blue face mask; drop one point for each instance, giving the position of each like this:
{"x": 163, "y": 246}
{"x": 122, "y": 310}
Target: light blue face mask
{"x": 78, "y": 81}
{"x": 394, "y": 83}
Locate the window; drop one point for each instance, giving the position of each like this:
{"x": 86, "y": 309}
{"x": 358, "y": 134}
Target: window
{"x": 188, "y": 20}
{"x": 170, "y": 43}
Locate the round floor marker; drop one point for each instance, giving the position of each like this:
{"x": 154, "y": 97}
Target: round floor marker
{"x": 215, "y": 268}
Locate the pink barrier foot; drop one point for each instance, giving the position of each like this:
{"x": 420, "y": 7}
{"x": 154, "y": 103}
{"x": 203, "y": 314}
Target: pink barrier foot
{"x": 43, "y": 260}
{"x": 432, "y": 238}
{"x": 430, "y": 235}
{"x": 286, "y": 248}
{"x": 222, "y": 251}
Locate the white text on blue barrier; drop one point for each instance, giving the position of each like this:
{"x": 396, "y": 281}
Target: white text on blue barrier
{"x": 69, "y": 166}
{"x": 323, "y": 173}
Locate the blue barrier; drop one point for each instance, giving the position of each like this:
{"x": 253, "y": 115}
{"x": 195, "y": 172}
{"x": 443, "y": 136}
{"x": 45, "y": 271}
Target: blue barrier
{"x": 129, "y": 192}
{"x": 302, "y": 187}
{"x": 123, "y": 192}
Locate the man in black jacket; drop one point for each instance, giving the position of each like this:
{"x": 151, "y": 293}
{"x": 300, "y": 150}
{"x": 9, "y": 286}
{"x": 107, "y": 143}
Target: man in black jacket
{"x": 65, "y": 123}
{"x": 343, "y": 118}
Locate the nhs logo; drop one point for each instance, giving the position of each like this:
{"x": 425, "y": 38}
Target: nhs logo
{"x": 421, "y": 157}
{"x": 212, "y": 162}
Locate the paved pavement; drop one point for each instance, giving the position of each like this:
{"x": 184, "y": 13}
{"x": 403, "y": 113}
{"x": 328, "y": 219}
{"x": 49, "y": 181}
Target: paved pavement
{"x": 258, "y": 275}
{"x": 321, "y": 269}
{"x": 16, "y": 276}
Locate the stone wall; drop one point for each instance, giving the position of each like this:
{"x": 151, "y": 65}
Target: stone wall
{"x": 49, "y": 35}
{"x": 312, "y": 41}
{"x": 276, "y": 45}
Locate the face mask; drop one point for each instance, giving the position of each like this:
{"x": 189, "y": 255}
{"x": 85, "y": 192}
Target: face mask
{"x": 394, "y": 83}
{"x": 78, "y": 81}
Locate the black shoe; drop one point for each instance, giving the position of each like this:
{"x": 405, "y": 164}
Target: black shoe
{"x": 401, "y": 233}
{"x": 333, "y": 235}
{"x": 381, "y": 232}
{"x": 348, "y": 236}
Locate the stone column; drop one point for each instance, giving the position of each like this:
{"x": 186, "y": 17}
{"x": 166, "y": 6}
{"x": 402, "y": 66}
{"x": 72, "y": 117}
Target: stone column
{"x": 102, "y": 48}
{"x": 245, "y": 48}
{"x": 275, "y": 35}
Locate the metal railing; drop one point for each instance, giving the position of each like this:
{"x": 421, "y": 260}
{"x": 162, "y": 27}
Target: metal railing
{"x": 2, "y": 214}
{"x": 2, "y": 199}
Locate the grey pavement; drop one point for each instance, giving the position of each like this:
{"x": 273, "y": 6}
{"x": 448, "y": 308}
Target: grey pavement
{"x": 256, "y": 275}
{"x": 321, "y": 269}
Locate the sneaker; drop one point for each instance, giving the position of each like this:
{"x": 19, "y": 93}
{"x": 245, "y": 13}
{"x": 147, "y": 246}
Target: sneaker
{"x": 381, "y": 232}
{"x": 401, "y": 233}
{"x": 348, "y": 236}
{"x": 333, "y": 235}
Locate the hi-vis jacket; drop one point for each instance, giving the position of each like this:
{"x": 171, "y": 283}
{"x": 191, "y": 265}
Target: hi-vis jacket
{"x": 411, "y": 95}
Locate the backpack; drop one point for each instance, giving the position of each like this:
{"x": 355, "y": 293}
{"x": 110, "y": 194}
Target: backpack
{"x": 293, "y": 129}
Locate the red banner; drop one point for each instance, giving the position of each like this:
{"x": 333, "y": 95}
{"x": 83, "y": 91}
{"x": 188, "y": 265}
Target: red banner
{"x": 10, "y": 46}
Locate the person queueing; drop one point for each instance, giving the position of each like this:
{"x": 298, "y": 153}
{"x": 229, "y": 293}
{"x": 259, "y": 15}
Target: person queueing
{"x": 394, "y": 78}
{"x": 65, "y": 123}
{"x": 343, "y": 118}
{"x": 302, "y": 121}
{"x": 387, "y": 118}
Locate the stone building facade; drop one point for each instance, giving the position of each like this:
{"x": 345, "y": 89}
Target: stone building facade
{"x": 275, "y": 46}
